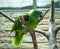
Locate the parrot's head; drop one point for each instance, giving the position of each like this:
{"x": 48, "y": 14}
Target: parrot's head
{"x": 36, "y": 13}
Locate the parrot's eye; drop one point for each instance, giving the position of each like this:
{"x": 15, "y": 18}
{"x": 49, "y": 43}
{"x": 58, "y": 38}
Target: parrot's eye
{"x": 26, "y": 17}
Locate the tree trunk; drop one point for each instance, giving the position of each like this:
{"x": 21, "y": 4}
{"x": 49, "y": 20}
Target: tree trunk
{"x": 52, "y": 35}
{"x": 52, "y": 41}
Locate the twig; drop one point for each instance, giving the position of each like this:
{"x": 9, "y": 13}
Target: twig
{"x": 44, "y": 14}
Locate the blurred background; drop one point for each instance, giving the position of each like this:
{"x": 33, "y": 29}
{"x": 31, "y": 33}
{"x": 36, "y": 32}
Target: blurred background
{"x": 15, "y": 8}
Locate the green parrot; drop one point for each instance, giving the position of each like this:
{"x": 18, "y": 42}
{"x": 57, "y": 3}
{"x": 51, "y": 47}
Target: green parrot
{"x": 34, "y": 17}
{"x": 19, "y": 32}
{"x": 31, "y": 21}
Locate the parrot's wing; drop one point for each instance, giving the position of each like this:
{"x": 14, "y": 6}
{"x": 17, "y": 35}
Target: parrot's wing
{"x": 20, "y": 31}
{"x": 16, "y": 26}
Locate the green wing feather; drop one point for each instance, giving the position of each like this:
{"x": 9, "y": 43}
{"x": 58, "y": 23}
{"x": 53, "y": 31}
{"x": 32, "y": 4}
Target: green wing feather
{"x": 20, "y": 31}
{"x": 18, "y": 39}
{"x": 16, "y": 26}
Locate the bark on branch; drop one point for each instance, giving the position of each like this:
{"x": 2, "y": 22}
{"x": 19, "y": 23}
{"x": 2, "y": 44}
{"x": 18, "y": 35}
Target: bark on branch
{"x": 46, "y": 34}
{"x": 4, "y": 15}
{"x": 51, "y": 18}
{"x": 44, "y": 14}
{"x": 56, "y": 29}
{"x": 52, "y": 36}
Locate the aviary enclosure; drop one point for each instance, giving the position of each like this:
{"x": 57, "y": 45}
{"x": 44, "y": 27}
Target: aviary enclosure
{"x": 52, "y": 28}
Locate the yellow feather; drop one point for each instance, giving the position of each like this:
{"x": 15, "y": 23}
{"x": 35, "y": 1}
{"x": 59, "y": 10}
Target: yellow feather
{"x": 30, "y": 11}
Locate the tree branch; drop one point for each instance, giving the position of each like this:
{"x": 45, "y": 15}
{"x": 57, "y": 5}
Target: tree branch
{"x": 56, "y": 29}
{"x": 44, "y": 14}
{"x": 46, "y": 34}
{"x": 3, "y": 14}
{"x": 52, "y": 11}
{"x": 51, "y": 18}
